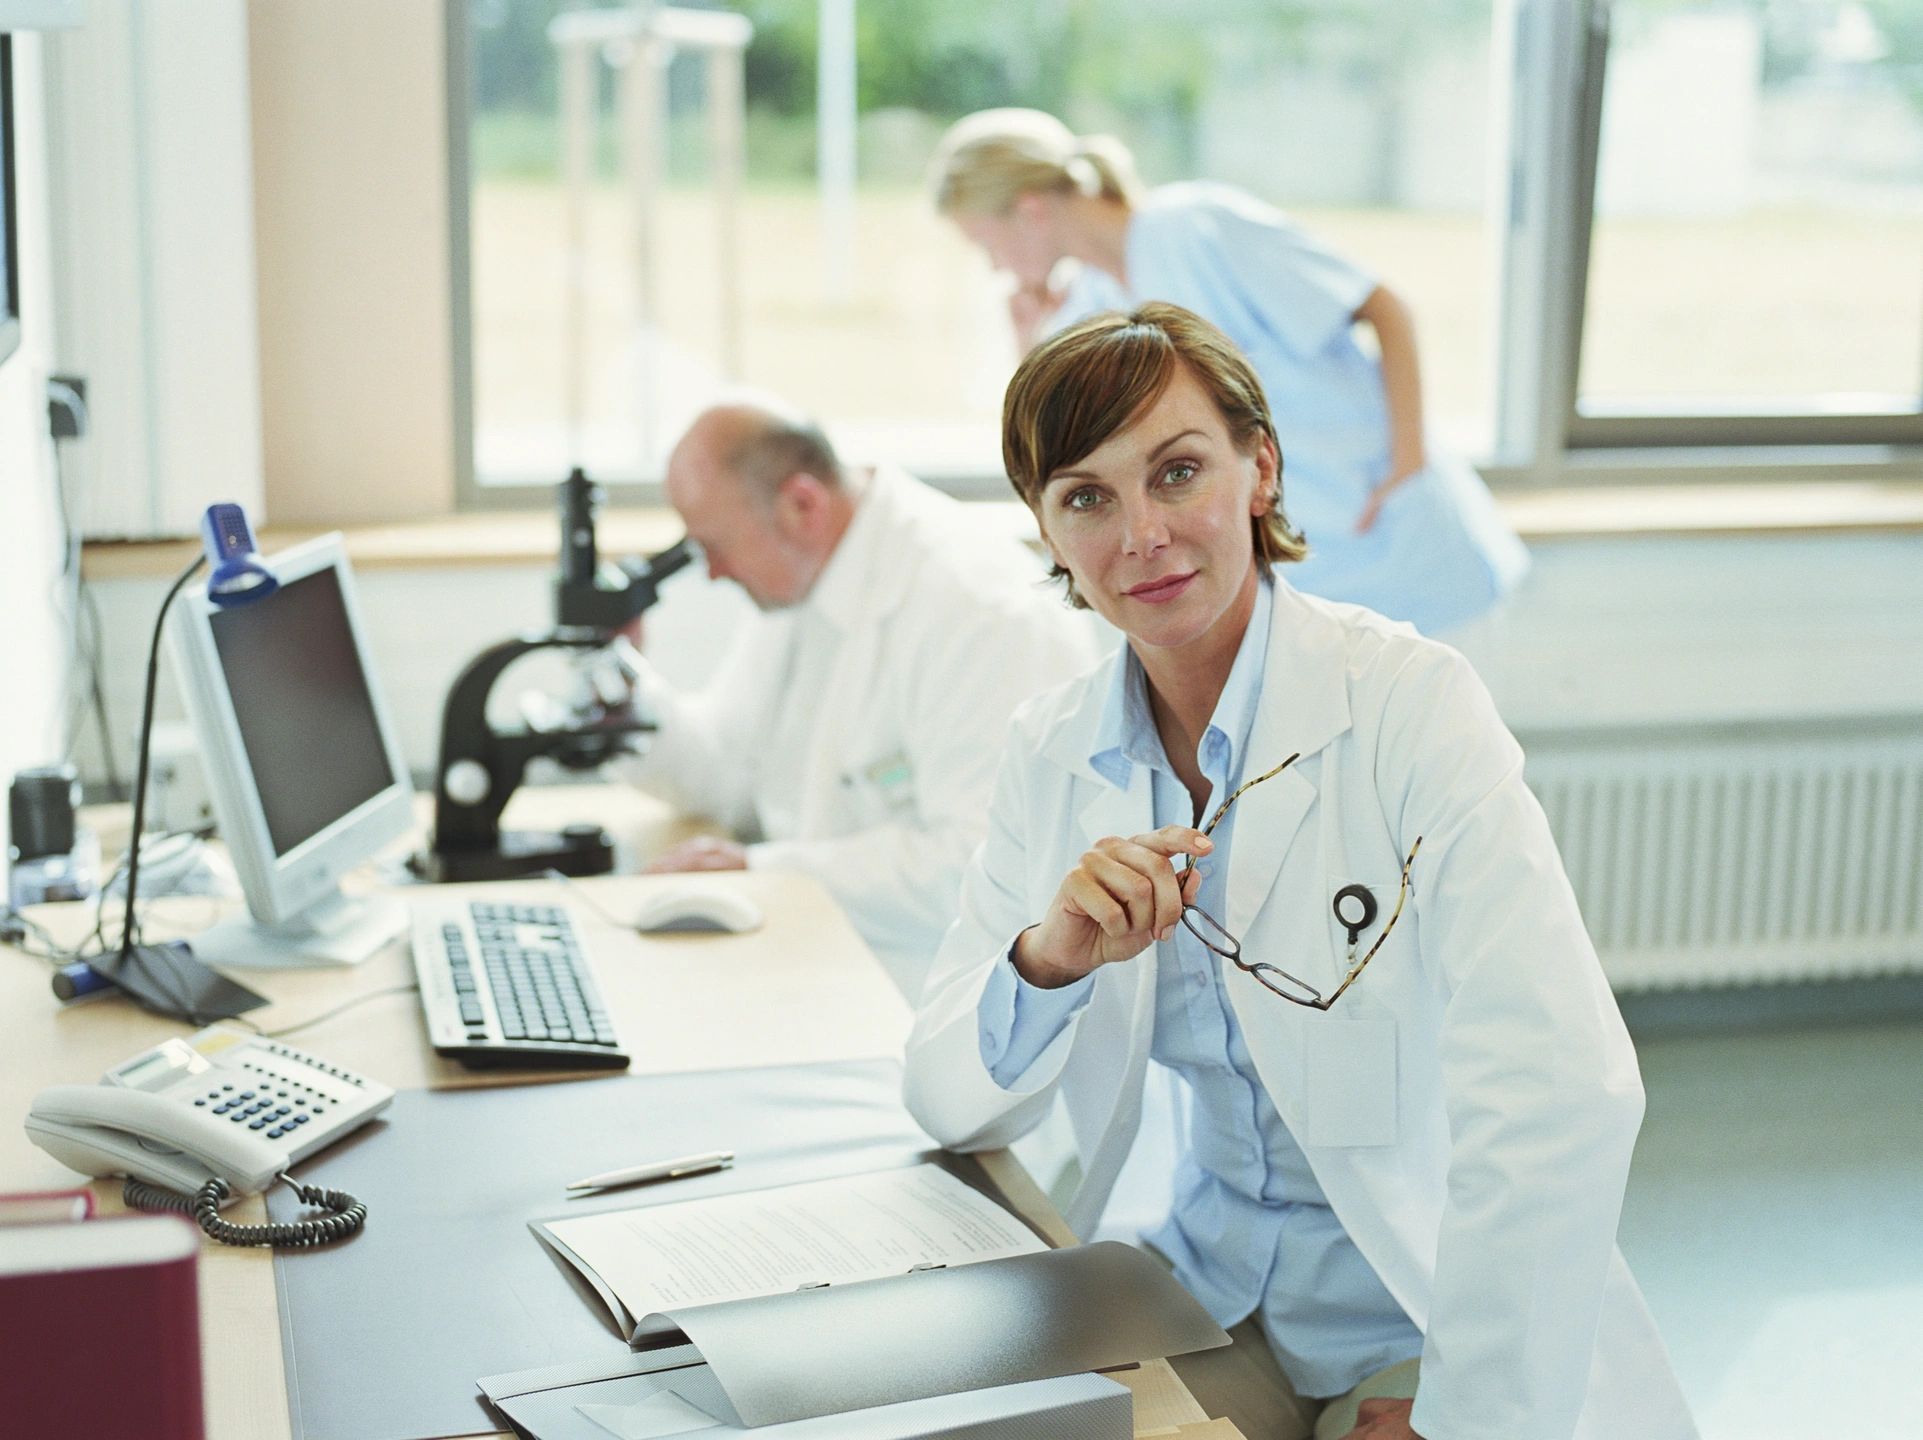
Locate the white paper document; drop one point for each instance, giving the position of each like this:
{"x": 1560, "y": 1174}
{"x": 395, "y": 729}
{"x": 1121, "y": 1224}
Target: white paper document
{"x": 764, "y": 1242}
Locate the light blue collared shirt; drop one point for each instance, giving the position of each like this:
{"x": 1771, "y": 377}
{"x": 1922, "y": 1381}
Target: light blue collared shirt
{"x": 1250, "y": 1229}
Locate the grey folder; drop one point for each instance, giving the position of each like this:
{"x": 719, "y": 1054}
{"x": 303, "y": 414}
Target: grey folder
{"x": 385, "y": 1334}
{"x": 880, "y": 1345}
{"x": 622, "y": 1400}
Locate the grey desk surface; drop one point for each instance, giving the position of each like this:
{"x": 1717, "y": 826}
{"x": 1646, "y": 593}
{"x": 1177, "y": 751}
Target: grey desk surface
{"x": 385, "y": 1334}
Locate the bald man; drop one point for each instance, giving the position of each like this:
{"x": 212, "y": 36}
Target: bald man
{"x": 854, "y": 731}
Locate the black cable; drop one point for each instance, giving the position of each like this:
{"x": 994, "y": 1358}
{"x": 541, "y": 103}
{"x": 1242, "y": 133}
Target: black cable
{"x": 346, "y": 1214}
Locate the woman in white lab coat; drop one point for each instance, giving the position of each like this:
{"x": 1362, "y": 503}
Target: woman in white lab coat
{"x": 1449, "y": 1138}
{"x": 1394, "y": 522}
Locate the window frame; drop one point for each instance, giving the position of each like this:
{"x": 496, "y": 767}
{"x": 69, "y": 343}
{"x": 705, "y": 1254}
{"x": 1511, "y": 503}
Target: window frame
{"x": 1811, "y": 443}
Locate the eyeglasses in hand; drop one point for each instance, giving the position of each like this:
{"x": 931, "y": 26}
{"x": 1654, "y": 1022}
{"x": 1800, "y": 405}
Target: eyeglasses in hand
{"x": 1215, "y": 936}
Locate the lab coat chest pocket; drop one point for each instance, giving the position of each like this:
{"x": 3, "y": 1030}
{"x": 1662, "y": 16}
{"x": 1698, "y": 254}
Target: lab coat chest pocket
{"x": 1348, "y": 1086}
{"x": 1349, "y": 1063}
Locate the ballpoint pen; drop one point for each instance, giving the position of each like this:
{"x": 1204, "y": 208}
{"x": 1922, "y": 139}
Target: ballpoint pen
{"x": 658, "y": 1170}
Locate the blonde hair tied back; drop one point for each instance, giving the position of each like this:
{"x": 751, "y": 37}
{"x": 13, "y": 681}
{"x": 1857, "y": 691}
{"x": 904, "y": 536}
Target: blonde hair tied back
{"x": 990, "y": 159}
{"x": 1113, "y": 167}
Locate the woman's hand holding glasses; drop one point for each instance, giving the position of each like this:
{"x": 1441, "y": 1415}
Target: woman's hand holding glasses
{"x": 1123, "y": 896}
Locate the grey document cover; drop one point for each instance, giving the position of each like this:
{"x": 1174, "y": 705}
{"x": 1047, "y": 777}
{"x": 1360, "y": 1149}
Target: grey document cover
{"x": 623, "y": 1401}
{"x": 992, "y": 1349}
{"x": 384, "y": 1335}
{"x": 939, "y": 1332}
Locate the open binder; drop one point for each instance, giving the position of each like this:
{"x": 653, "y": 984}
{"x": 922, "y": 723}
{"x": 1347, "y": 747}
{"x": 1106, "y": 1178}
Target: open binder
{"x": 997, "y": 1348}
{"x": 671, "y": 1255}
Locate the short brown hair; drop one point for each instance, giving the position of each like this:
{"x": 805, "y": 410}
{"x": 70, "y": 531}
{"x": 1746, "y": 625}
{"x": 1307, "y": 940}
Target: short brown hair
{"x": 1080, "y": 387}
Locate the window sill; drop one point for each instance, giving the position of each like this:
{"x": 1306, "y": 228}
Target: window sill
{"x": 487, "y": 539}
{"x": 1829, "y": 507}
{"x": 523, "y": 537}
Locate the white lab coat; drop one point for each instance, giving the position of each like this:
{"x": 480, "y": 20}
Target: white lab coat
{"x": 924, "y": 632}
{"x": 1469, "y": 1106}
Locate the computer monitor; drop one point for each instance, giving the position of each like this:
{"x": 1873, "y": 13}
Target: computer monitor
{"x": 302, "y": 763}
{"x": 9, "y": 217}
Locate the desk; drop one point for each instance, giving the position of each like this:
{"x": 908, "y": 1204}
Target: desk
{"x": 803, "y": 989}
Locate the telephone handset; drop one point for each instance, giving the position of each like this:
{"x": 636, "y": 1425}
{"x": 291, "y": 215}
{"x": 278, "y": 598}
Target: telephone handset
{"x": 220, "y": 1115}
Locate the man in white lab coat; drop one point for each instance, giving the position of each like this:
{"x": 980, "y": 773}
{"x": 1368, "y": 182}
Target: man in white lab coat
{"x": 853, "y": 731}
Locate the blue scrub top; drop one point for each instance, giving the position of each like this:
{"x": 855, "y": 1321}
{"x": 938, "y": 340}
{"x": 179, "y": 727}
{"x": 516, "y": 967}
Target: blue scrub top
{"x": 1440, "y": 554}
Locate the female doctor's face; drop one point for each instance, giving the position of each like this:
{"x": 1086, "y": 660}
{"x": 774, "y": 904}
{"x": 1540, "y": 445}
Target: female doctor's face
{"x": 1153, "y": 525}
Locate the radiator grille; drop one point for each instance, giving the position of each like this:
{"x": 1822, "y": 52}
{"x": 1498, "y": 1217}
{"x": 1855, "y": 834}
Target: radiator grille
{"x": 1708, "y": 859}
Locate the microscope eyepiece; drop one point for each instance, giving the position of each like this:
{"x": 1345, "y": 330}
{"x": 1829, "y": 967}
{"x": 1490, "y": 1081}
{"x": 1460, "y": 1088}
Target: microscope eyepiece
{"x": 677, "y": 556}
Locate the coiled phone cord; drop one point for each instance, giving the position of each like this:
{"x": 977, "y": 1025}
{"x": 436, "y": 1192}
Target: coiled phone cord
{"x": 347, "y": 1215}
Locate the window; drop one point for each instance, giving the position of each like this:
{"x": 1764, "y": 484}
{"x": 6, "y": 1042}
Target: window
{"x": 1623, "y": 227}
{"x": 1368, "y": 121}
{"x": 1757, "y": 225}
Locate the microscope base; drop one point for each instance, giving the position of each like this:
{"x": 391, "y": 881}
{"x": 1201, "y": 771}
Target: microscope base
{"x": 578, "y": 850}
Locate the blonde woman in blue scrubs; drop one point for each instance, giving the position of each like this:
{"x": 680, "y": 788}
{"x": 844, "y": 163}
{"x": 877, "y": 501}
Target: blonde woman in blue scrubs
{"x": 1391, "y": 523}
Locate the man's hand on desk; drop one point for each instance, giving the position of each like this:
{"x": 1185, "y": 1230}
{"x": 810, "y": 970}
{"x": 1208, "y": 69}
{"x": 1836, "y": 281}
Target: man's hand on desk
{"x": 704, "y": 852}
{"x": 1383, "y": 1420}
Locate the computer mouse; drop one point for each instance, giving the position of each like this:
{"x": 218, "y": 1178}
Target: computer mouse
{"x": 697, "y": 910}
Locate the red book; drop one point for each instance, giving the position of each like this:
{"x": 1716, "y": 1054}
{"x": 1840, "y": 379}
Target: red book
{"x": 100, "y": 1329}
{"x": 38, "y": 1207}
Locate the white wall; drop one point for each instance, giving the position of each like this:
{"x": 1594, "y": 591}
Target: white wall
{"x": 1604, "y": 632}
{"x": 32, "y": 651}
{"x": 152, "y": 214}
{"x": 351, "y": 219}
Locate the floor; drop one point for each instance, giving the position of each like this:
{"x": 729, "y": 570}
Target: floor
{"x": 1775, "y": 1209}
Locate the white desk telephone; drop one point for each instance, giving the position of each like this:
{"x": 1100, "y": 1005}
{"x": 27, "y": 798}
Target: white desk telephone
{"x": 218, "y": 1116}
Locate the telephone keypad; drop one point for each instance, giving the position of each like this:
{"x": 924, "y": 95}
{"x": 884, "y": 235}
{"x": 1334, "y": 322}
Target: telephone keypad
{"x": 257, "y": 1110}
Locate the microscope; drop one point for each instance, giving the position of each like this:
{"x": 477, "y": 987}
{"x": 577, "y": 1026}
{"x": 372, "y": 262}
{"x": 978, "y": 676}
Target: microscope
{"x": 481, "y": 766}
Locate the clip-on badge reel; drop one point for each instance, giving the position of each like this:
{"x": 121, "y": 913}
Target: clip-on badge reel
{"x": 1355, "y": 911}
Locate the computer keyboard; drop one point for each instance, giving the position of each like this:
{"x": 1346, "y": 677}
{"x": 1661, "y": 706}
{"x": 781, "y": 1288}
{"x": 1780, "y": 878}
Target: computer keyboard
{"x": 510, "y": 985}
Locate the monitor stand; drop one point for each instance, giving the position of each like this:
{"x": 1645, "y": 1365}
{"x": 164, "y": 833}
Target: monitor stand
{"x": 340, "y": 930}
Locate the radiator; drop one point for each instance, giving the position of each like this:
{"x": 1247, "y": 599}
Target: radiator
{"x": 1720, "y": 857}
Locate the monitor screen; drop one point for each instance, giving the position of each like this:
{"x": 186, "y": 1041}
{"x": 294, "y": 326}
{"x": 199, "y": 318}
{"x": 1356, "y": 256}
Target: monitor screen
{"x": 301, "y": 698}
